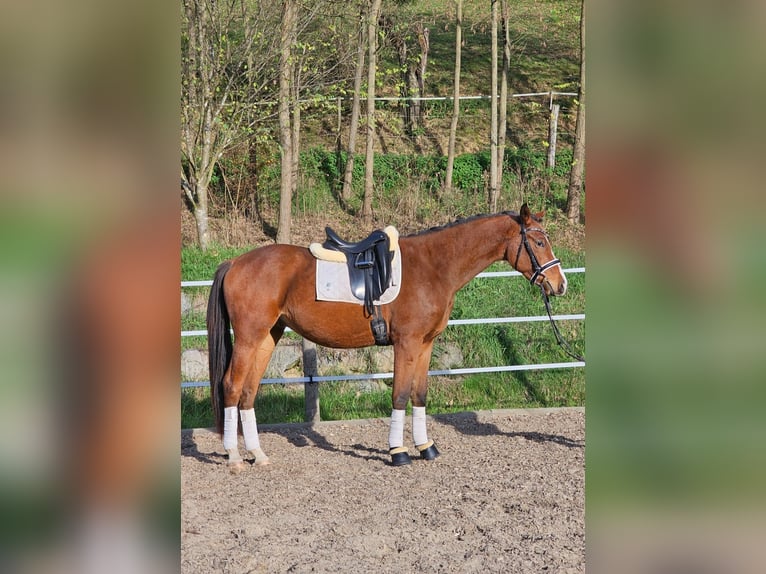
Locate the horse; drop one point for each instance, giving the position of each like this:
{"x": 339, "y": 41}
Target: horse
{"x": 267, "y": 289}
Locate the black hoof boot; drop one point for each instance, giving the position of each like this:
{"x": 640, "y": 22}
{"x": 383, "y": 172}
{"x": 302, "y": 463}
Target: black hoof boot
{"x": 428, "y": 451}
{"x": 400, "y": 457}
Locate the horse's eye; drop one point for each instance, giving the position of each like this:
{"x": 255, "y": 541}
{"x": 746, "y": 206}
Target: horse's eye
{"x": 541, "y": 243}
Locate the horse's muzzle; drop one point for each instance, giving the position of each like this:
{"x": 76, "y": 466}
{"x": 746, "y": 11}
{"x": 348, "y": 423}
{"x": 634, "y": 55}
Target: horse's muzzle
{"x": 555, "y": 292}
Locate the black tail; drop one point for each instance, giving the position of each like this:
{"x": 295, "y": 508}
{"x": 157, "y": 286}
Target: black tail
{"x": 218, "y": 341}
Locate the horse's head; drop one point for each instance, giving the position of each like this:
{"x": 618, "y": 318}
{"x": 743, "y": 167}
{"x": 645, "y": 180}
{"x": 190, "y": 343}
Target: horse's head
{"x": 531, "y": 254}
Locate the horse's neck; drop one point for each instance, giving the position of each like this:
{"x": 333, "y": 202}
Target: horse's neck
{"x": 466, "y": 249}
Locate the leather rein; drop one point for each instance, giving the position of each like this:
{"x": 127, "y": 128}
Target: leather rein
{"x": 539, "y": 273}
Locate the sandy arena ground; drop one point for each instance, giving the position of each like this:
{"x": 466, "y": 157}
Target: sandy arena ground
{"x": 506, "y": 495}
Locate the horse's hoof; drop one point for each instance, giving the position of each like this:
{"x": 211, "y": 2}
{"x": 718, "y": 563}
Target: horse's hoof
{"x": 428, "y": 451}
{"x": 236, "y": 467}
{"x": 259, "y": 457}
{"x": 400, "y": 457}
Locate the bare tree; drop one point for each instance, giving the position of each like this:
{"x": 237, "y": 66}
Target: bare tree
{"x": 578, "y": 156}
{"x": 220, "y": 80}
{"x": 503, "y": 106}
{"x": 420, "y": 71}
{"x": 355, "y": 105}
{"x": 493, "y": 188}
{"x": 312, "y": 69}
{"x": 455, "y": 96}
{"x": 372, "y": 35}
{"x": 402, "y": 26}
{"x": 286, "y": 40}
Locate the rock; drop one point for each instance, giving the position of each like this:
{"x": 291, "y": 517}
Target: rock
{"x": 448, "y": 356}
{"x": 194, "y": 365}
{"x": 193, "y": 301}
{"x": 371, "y": 386}
{"x": 383, "y": 359}
{"x": 285, "y": 361}
{"x": 334, "y": 361}
{"x": 186, "y": 303}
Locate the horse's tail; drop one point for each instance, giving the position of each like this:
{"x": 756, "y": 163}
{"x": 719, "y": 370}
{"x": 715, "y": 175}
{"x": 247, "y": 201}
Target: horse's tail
{"x": 218, "y": 341}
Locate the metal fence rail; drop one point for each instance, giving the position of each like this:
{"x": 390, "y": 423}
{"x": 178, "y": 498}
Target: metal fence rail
{"x": 447, "y": 372}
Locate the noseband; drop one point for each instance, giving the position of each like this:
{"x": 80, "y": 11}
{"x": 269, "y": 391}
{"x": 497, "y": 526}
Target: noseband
{"x": 538, "y": 270}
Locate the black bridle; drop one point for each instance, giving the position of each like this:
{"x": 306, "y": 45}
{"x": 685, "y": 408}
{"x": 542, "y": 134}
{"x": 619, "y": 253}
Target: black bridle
{"x": 538, "y": 272}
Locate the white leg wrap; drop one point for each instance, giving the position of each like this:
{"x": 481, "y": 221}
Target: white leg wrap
{"x": 250, "y": 429}
{"x": 396, "y": 434}
{"x": 419, "y": 434}
{"x": 230, "y": 428}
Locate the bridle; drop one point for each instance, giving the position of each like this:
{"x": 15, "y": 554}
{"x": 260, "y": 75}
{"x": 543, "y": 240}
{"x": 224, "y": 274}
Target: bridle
{"x": 538, "y": 271}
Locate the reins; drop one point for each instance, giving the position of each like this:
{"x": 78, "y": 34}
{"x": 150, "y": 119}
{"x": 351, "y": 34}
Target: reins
{"x": 538, "y": 271}
{"x": 559, "y": 339}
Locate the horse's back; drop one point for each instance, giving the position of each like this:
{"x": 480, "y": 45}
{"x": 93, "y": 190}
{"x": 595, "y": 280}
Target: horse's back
{"x": 272, "y": 262}
{"x": 261, "y": 278}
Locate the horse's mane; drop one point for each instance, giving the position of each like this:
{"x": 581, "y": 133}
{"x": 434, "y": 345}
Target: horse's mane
{"x": 513, "y": 214}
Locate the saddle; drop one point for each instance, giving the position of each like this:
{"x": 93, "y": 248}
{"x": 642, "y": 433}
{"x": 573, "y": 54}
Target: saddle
{"x": 369, "y": 264}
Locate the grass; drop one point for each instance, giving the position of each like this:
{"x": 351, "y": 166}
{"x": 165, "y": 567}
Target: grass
{"x": 481, "y": 345}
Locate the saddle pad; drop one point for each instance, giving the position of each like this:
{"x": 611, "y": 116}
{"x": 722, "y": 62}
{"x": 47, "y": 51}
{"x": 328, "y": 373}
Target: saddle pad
{"x": 332, "y": 283}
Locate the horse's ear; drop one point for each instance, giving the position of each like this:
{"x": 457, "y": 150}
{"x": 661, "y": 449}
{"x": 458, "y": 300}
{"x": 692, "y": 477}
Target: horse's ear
{"x": 526, "y": 215}
{"x": 539, "y": 216}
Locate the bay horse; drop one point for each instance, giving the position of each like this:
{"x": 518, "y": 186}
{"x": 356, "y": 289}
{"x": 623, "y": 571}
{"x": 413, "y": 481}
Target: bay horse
{"x": 269, "y": 288}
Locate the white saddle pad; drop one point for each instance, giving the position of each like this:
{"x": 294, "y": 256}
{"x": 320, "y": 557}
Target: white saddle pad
{"x": 332, "y": 283}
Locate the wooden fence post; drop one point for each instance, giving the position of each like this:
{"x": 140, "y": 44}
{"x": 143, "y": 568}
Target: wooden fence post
{"x": 552, "y": 129}
{"x": 310, "y": 389}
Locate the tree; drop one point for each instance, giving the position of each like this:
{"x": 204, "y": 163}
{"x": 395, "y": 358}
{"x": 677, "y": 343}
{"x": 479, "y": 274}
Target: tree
{"x": 355, "y": 111}
{"x": 221, "y": 79}
{"x": 493, "y": 188}
{"x": 311, "y": 60}
{"x": 372, "y": 35}
{"x": 286, "y": 40}
{"x": 503, "y": 106}
{"x": 455, "y": 96}
{"x": 574, "y": 191}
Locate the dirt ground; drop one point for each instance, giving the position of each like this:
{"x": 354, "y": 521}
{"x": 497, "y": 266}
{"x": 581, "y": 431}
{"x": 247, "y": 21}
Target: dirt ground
{"x": 506, "y": 495}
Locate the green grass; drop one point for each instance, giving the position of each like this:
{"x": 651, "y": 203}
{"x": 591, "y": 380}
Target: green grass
{"x": 481, "y": 345}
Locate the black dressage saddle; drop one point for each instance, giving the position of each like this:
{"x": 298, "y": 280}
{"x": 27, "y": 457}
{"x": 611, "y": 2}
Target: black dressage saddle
{"x": 369, "y": 264}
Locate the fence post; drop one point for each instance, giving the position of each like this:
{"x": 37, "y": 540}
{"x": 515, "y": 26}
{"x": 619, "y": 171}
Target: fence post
{"x": 552, "y": 129}
{"x": 310, "y": 389}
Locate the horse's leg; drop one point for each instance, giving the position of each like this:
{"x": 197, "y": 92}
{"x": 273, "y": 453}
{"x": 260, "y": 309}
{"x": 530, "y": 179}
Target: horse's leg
{"x": 426, "y": 447}
{"x": 404, "y": 362}
{"x": 407, "y": 358}
{"x": 233, "y": 383}
{"x": 250, "y": 391}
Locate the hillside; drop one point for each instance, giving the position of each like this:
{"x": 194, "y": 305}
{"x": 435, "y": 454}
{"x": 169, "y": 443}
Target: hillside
{"x": 545, "y": 46}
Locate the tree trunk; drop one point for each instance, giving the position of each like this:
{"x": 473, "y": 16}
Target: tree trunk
{"x": 578, "y": 156}
{"x": 493, "y": 115}
{"x": 553, "y": 126}
{"x": 455, "y": 97}
{"x": 372, "y": 25}
{"x": 295, "y": 159}
{"x": 285, "y": 131}
{"x": 425, "y": 47}
{"x": 200, "y": 216}
{"x": 420, "y": 72}
{"x": 202, "y": 180}
{"x": 503, "y": 106}
{"x": 406, "y": 85}
{"x": 348, "y": 175}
